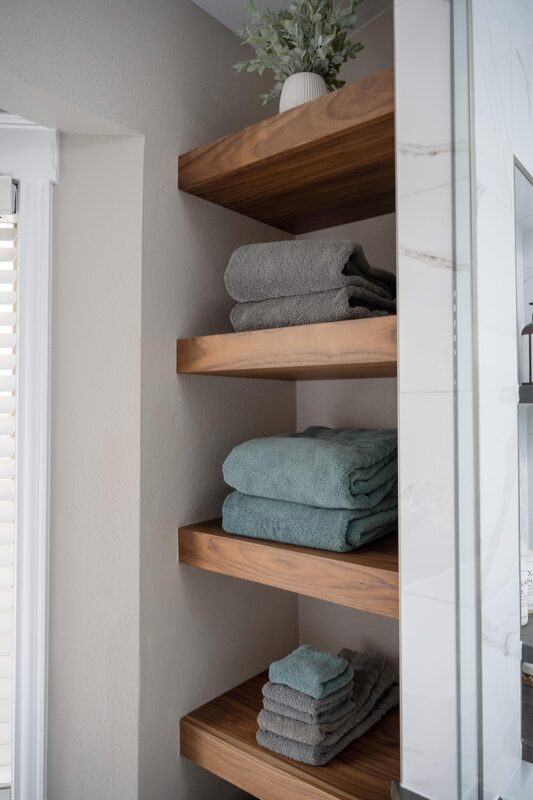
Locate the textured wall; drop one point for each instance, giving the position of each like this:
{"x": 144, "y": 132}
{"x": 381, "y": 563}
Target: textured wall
{"x": 95, "y": 460}
{"x": 162, "y": 69}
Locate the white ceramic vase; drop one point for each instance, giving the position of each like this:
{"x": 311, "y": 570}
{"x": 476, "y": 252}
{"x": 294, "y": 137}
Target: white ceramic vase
{"x": 300, "y": 88}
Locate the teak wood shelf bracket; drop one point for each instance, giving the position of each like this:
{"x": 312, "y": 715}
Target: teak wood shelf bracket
{"x": 325, "y": 163}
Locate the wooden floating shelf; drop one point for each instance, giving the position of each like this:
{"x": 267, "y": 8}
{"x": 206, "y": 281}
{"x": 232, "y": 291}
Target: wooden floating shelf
{"x": 363, "y": 348}
{"x": 325, "y": 163}
{"x": 220, "y": 737}
{"x": 366, "y": 579}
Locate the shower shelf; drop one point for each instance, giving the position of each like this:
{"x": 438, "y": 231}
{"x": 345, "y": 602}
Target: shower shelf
{"x": 324, "y": 163}
{"x": 366, "y": 579}
{"x": 363, "y": 348}
{"x": 220, "y": 737}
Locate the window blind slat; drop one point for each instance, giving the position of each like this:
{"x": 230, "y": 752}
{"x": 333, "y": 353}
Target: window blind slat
{"x": 7, "y": 470}
{"x": 7, "y": 490}
{"x": 6, "y": 649}
{"x": 8, "y": 340}
{"x": 6, "y": 604}
{"x": 7, "y": 361}
{"x": 7, "y": 447}
{"x": 5, "y": 755}
{"x": 8, "y": 384}
{"x": 6, "y": 577}
{"x": 7, "y": 536}
{"x": 7, "y": 404}
{"x": 7, "y": 511}
{"x": 7, "y": 425}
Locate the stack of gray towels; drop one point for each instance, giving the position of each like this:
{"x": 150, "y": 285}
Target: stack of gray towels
{"x": 279, "y": 284}
{"x": 316, "y": 703}
{"x": 332, "y": 489}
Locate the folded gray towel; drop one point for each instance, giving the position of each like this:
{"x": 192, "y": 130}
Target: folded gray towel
{"x": 375, "y": 677}
{"x": 280, "y": 693}
{"x": 308, "y": 309}
{"x": 283, "y": 269}
{"x": 325, "y": 719}
{"x": 318, "y": 755}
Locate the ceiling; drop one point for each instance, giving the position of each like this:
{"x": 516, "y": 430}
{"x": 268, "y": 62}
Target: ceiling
{"x": 232, "y": 12}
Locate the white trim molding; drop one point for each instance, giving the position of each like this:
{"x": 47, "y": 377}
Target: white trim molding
{"x": 29, "y": 155}
{"x": 32, "y": 490}
{"x": 28, "y": 151}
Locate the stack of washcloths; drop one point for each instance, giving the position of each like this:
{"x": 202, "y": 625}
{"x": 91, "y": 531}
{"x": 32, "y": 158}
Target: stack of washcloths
{"x": 316, "y": 704}
{"x": 278, "y": 284}
{"x": 324, "y": 488}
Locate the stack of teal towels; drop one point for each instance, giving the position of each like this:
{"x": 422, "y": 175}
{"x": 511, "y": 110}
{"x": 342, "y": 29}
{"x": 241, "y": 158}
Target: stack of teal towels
{"x": 305, "y": 281}
{"x": 316, "y": 703}
{"x": 323, "y": 488}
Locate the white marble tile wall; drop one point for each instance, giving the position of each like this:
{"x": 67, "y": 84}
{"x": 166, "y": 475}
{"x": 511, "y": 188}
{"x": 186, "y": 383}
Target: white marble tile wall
{"x": 426, "y": 397}
{"x": 503, "y": 130}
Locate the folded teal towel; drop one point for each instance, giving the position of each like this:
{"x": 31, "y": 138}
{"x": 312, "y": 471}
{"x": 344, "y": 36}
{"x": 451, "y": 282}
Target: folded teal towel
{"x": 338, "y": 529}
{"x": 311, "y": 671}
{"x": 319, "y": 467}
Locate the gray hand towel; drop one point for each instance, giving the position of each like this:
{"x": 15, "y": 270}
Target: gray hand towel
{"x": 284, "y": 269}
{"x": 368, "y": 669}
{"x": 319, "y": 755}
{"x": 280, "y": 693}
{"x": 375, "y": 677}
{"x": 326, "y": 718}
{"x": 308, "y": 309}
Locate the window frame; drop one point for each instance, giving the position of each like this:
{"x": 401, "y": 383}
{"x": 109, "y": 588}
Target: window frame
{"x": 29, "y": 153}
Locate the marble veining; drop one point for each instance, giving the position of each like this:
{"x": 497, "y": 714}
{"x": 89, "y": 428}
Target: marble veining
{"x": 426, "y": 384}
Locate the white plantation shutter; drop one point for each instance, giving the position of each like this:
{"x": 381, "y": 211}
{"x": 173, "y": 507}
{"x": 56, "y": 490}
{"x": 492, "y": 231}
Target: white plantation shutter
{"x": 8, "y": 362}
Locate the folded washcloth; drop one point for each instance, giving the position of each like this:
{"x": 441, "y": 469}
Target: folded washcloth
{"x": 284, "y": 695}
{"x": 333, "y": 306}
{"x": 283, "y": 269}
{"x": 339, "y": 530}
{"x": 319, "y": 755}
{"x": 374, "y": 677}
{"x": 320, "y": 467}
{"x": 311, "y": 671}
{"x": 328, "y": 720}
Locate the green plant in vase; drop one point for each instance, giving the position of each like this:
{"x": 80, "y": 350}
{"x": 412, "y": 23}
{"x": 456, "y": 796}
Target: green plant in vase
{"x": 304, "y": 45}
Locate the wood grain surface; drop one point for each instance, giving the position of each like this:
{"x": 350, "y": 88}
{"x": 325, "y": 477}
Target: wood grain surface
{"x": 324, "y": 163}
{"x": 220, "y": 737}
{"x": 362, "y": 348}
{"x": 366, "y": 579}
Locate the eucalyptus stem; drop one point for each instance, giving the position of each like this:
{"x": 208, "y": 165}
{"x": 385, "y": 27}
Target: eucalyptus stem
{"x": 308, "y": 36}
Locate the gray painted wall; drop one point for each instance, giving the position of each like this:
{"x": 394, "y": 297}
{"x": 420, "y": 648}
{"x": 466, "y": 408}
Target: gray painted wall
{"x": 164, "y": 70}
